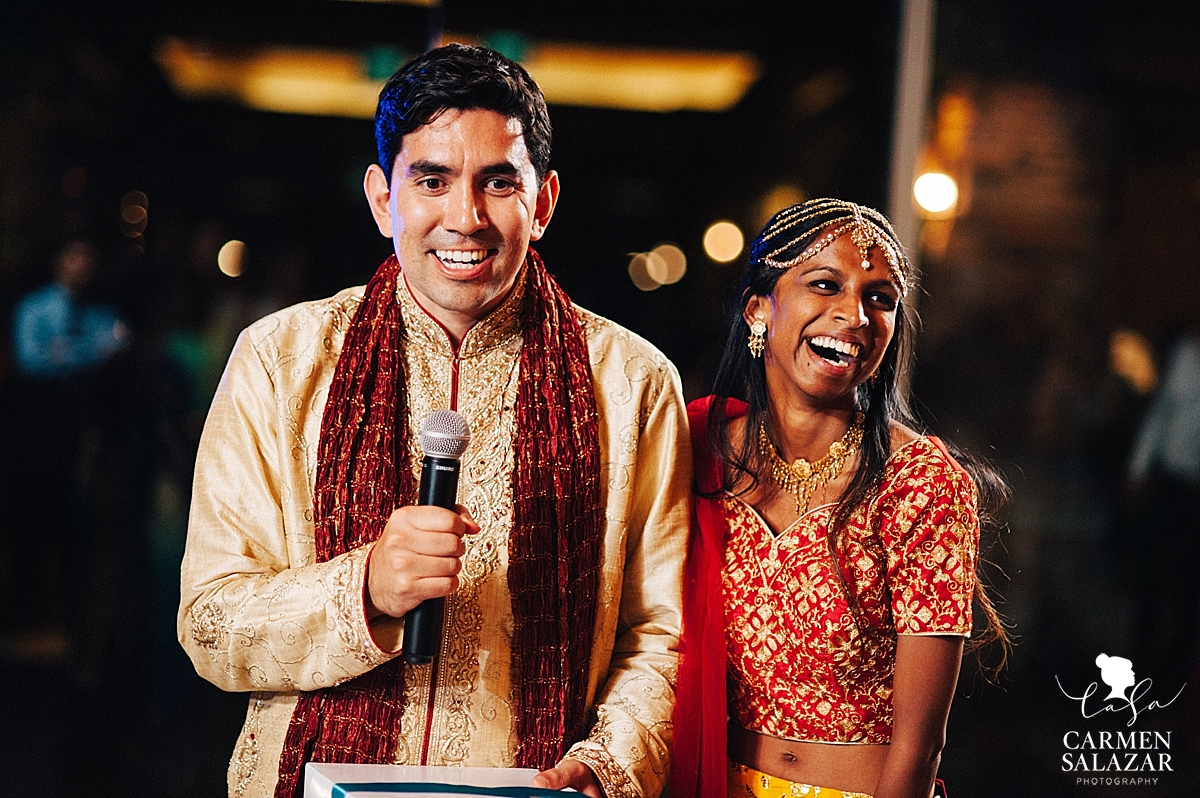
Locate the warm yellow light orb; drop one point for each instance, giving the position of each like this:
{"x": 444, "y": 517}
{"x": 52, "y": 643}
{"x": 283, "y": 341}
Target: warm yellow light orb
{"x": 639, "y": 274}
{"x": 231, "y": 259}
{"x": 935, "y": 192}
{"x": 666, "y": 263}
{"x": 723, "y": 241}
{"x": 1131, "y": 357}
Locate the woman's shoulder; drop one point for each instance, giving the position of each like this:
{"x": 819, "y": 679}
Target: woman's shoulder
{"x": 922, "y": 480}
{"x": 917, "y": 455}
{"x": 902, "y": 436}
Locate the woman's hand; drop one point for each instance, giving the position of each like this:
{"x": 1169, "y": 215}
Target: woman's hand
{"x": 923, "y": 687}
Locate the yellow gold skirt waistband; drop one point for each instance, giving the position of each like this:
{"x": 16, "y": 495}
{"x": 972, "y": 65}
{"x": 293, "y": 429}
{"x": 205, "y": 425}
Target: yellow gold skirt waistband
{"x": 746, "y": 782}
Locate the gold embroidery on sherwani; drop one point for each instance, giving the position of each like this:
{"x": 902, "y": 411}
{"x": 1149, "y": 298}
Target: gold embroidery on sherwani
{"x": 636, "y": 692}
{"x": 209, "y": 625}
{"x": 250, "y": 550}
{"x": 346, "y": 589}
{"x": 245, "y": 756}
{"x": 301, "y": 406}
{"x": 488, "y": 357}
{"x": 614, "y": 781}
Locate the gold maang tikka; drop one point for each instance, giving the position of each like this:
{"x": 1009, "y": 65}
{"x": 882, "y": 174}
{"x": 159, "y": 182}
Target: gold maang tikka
{"x": 802, "y": 479}
{"x": 867, "y": 229}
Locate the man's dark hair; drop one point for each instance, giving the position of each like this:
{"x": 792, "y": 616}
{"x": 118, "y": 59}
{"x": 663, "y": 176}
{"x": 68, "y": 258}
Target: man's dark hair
{"x": 463, "y": 77}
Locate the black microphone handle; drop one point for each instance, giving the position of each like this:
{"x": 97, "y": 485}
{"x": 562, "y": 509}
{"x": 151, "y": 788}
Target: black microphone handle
{"x": 423, "y": 623}
{"x": 439, "y": 482}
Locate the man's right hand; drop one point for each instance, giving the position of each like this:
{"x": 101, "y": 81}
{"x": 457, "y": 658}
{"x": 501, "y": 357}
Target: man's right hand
{"x": 417, "y": 557}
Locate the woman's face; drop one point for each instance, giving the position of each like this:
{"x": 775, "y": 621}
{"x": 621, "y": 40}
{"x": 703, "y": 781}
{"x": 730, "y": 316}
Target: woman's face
{"x": 829, "y": 322}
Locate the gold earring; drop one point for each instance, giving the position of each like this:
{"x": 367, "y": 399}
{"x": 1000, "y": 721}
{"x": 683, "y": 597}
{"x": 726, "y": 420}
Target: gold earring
{"x": 757, "y": 343}
{"x": 874, "y": 377}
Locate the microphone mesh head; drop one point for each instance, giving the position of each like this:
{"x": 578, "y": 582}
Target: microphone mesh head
{"x": 445, "y": 433}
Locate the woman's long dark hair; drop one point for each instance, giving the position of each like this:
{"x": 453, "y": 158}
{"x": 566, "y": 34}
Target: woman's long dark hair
{"x": 883, "y": 400}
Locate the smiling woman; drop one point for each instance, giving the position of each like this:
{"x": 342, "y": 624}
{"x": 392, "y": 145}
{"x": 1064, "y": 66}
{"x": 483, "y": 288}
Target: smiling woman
{"x": 832, "y": 565}
{"x": 829, "y": 319}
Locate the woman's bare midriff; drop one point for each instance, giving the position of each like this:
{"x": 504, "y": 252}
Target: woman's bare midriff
{"x": 850, "y": 768}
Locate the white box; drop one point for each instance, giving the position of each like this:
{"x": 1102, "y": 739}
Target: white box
{"x": 325, "y": 780}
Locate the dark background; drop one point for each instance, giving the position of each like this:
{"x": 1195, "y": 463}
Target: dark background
{"x": 1081, "y": 217}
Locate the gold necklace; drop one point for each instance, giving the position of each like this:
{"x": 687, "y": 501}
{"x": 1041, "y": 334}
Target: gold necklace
{"x": 802, "y": 479}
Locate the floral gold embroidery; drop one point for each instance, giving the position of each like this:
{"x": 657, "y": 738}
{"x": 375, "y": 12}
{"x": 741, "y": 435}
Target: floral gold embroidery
{"x": 210, "y": 625}
{"x": 246, "y": 756}
{"x": 488, "y": 358}
{"x": 293, "y": 629}
{"x": 347, "y": 611}
{"x": 614, "y": 781}
{"x": 909, "y": 555}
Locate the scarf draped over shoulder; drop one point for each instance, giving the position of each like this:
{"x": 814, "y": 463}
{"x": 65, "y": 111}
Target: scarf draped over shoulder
{"x": 553, "y": 547}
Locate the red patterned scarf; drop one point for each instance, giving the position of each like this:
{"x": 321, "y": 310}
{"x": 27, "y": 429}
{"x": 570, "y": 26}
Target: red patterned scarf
{"x": 699, "y": 765}
{"x": 553, "y": 547}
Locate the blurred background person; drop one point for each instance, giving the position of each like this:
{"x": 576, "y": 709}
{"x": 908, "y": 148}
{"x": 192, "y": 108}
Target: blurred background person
{"x": 1164, "y": 483}
{"x": 62, "y": 343}
{"x": 56, "y": 332}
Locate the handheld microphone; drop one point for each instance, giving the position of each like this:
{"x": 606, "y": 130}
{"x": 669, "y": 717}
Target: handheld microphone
{"x": 444, "y": 437}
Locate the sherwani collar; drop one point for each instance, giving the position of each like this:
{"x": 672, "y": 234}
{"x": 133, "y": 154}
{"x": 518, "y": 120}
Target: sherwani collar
{"x": 496, "y": 329}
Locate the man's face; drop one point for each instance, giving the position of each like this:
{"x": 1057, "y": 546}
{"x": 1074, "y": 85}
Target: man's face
{"x": 461, "y": 208}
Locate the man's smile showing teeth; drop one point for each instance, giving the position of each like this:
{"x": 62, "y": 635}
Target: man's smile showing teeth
{"x": 462, "y": 257}
{"x": 833, "y": 350}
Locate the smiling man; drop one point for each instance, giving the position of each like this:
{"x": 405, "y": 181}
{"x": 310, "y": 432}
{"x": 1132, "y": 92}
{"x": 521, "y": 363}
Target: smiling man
{"x": 561, "y": 571}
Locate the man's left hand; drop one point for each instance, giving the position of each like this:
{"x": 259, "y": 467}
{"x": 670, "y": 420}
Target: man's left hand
{"x": 569, "y": 773}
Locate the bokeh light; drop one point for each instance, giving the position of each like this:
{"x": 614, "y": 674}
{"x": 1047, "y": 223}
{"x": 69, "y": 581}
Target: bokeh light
{"x": 666, "y": 264}
{"x": 640, "y": 274}
{"x": 723, "y": 241}
{"x": 1132, "y": 359}
{"x": 231, "y": 259}
{"x": 135, "y": 214}
{"x": 135, "y": 197}
{"x": 935, "y": 192}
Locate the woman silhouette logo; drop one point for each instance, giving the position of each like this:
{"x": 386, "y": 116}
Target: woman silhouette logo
{"x": 1117, "y": 673}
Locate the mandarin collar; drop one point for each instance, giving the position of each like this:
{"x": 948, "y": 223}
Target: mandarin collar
{"x": 496, "y": 329}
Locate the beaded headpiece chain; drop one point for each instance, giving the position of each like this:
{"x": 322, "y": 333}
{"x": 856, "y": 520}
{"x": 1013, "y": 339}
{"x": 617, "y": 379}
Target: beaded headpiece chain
{"x": 867, "y": 228}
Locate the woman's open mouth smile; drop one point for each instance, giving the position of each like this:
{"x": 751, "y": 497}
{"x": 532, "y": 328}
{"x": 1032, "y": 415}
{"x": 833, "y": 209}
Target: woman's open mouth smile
{"x": 832, "y": 351}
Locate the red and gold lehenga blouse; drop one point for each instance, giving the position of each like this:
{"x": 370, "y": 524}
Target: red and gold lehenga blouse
{"x": 769, "y": 636}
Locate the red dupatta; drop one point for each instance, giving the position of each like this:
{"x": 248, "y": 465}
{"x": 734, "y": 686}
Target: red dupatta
{"x": 699, "y": 764}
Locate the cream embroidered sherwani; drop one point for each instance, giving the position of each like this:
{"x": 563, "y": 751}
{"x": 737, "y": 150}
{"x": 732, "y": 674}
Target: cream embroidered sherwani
{"x": 259, "y": 614}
